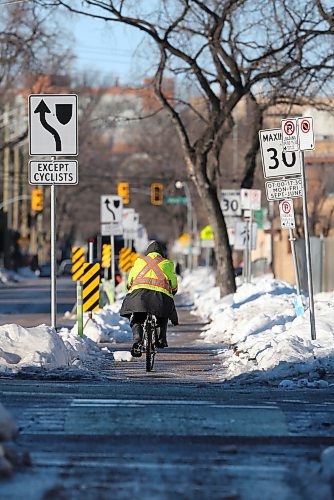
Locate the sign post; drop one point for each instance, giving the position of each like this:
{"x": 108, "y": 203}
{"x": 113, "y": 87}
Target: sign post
{"x": 53, "y": 130}
{"x": 308, "y": 252}
{"x": 287, "y": 216}
{"x": 53, "y": 257}
{"x": 282, "y": 153}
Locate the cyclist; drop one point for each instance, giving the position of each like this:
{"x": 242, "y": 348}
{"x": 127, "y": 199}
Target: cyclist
{"x": 152, "y": 282}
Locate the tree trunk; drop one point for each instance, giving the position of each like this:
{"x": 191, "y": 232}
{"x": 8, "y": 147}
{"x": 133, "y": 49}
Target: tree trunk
{"x": 225, "y": 279}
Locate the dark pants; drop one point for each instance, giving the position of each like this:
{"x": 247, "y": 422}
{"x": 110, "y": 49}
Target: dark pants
{"x": 137, "y": 321}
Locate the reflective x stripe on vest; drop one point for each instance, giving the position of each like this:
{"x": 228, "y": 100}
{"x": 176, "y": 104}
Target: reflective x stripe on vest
{"x": 160, "y": 280}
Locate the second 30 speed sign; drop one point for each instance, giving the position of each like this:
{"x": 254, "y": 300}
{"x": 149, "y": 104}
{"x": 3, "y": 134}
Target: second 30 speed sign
{"x": 275, "y": 161}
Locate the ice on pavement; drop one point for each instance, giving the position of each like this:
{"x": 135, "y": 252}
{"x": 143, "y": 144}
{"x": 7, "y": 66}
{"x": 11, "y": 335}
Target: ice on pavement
{"x": 258, "y": 333}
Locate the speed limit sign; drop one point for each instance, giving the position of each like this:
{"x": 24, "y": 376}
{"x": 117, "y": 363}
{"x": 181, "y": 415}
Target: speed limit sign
{"x": 277, "y": 162}
{"x": 230, "y": 202}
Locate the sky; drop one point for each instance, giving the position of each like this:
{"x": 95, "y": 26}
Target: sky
{"x": 111, "y": 50}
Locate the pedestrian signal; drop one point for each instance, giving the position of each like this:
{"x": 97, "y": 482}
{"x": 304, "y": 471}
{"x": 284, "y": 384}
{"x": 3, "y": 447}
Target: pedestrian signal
{"x": 37, "y": 200}
{"x": 106, "y": 255}
{"x": 156, "y": 193}
{"x": 123, "y": 191}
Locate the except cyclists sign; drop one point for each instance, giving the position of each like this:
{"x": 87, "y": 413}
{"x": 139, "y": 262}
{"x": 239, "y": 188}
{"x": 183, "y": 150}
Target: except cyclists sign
{"x": 275, "y": 161}
{"x": 57, "y": 172}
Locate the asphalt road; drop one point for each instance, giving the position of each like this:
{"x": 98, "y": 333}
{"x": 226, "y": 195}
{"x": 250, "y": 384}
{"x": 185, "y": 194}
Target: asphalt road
{"x": 177, "y": 432}
{"x": 28, "y": 302}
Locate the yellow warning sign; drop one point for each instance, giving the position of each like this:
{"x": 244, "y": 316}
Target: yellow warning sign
{"x": 127, "y": 259}
{"x": 78, "y": 260}
{"x": 106, "y": 255}
{"x": 207, "y": 233}
{"x": 91, "y": 287}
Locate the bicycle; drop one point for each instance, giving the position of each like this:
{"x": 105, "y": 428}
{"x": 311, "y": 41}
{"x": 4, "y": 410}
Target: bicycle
{"x": 150, "y": 336}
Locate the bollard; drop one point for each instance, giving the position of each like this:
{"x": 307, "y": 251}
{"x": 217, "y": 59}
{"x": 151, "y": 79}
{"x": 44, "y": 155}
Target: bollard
{"x": 79, "y": 309}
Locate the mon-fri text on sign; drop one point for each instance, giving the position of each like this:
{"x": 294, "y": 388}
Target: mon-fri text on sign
{"x": 57, "y": 172}
{"x": 285, "y": 188}
{"x": 275, "y": 161}
{"x": 53, "y": 124}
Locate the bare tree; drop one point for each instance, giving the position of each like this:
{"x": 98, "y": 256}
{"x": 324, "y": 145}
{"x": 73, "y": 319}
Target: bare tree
{"x": 227, "y": 50}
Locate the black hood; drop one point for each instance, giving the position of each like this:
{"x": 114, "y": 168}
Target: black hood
{"x": 155, "y": 246}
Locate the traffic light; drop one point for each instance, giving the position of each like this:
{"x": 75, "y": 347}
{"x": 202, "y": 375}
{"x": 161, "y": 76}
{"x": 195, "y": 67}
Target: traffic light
{"x": 157, "y": 193}
{"x": 37, "y": 200}
{"x": 123, "y": 190}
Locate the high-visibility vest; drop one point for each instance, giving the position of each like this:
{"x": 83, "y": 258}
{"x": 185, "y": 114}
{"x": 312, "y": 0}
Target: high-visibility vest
{"x": 151, "y": 276}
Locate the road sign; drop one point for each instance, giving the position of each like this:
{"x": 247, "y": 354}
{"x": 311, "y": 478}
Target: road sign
{"x": 207, "y": 233}
{"x": 241, "y": 235}
{"x": 284, "y": 188}
{"x": 91, "y": 287}
{"x": 230, "y": 202}
{"x": 177, "y": 199}
{"x": 289, "y": 134}
{"x": 130, "y": 221}
{"x": 111, "y": 215}
{"x": 53, "y": 124}
{"x": 78, "y": 260}
{"x": 250, "y": 199}
{"x": 106, "y": 256}
{"x": 287, "y": 214}
{"x": 57, "y": 172}
{"x": 276, "y": 162}
{"x": 306, "y": 133}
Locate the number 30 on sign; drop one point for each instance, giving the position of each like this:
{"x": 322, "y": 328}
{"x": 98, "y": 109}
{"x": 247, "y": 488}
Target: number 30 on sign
{"x": 275, "y": 161}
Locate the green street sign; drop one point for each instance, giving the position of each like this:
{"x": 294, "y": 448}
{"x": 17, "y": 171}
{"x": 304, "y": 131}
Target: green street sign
{"x": 177, "y": 199}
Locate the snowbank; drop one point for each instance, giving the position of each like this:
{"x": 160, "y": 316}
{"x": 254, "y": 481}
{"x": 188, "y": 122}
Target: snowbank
{"x": 258, "y": 331}
{"x": 43, "y": 347}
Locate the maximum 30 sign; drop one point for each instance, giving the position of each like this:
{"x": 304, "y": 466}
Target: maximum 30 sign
{"x": 277, "y": 162}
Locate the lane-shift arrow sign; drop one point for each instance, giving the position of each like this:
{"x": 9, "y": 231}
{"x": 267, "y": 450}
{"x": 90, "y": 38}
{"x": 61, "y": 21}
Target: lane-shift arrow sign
{"x": 107, "y": 203}
{"x": 42, "y": 109}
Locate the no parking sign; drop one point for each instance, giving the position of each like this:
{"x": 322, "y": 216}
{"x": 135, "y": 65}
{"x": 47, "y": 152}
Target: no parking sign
{"x": 287, "y": 214}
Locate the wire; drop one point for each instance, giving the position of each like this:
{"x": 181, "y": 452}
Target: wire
{"x": 14, "y": 1}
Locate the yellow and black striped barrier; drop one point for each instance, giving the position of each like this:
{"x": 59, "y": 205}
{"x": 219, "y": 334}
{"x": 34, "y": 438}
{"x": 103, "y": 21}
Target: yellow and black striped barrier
{"x": 78, "y": 260}
{"x": 91, "y": 287}
{"x": 106, "y": 255}
{"x": 127, "y": 259}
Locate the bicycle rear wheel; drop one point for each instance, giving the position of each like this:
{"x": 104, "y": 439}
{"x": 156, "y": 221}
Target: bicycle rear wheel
{"x": 149, "y": 350}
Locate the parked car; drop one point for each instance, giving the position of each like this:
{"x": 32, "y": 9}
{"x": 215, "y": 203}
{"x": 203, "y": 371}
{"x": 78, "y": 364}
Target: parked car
{"x": 65, "y": 268}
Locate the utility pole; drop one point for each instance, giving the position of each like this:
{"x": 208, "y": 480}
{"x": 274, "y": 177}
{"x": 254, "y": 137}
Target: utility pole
{"x": 16, "y": 188}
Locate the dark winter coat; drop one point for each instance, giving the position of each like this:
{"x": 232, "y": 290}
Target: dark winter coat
{"x": 146, "y": 300}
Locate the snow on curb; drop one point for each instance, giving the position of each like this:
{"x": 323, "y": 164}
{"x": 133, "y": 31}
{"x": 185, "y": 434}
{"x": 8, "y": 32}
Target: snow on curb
{"x": 258, "y": 333}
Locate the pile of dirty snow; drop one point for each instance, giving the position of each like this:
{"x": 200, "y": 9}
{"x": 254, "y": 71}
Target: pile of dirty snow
{"x": 259, "y": 334}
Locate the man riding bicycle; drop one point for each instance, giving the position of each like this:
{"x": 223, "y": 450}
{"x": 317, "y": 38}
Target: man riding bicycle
{"x": 152, "y": 282}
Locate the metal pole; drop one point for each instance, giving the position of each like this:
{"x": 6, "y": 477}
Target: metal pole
{"x": 189, "y": 222}
{"x": 250, "y": 222}
{"x": 112, "y": 242}
{"x": 246, "y": 252}
{"x": 292, "y": 240}
{"x": 53, "y": 257}
{"x": 308, "y": 252}
{"x": 80, "y": 308}
{"x": 90, "y": 252}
